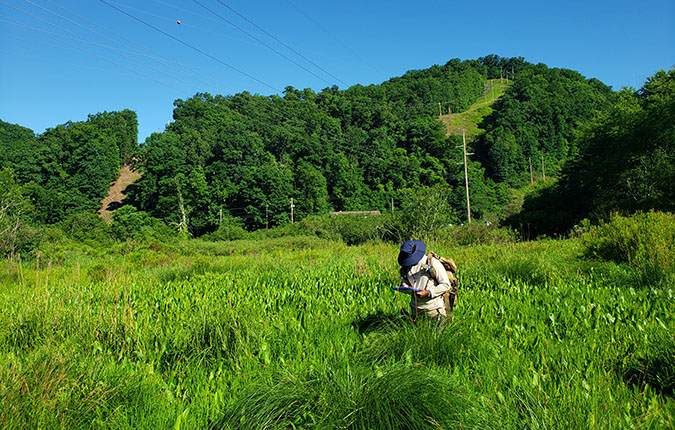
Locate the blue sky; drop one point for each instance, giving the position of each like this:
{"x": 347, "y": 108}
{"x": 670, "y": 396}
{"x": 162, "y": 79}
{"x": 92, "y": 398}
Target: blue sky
{"x": 65, "y": 59}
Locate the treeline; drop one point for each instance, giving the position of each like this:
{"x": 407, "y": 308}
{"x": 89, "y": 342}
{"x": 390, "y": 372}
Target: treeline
{"x": 625, "y": 163}
{"x": 68, "y": 168}
{"x": 246, "y": 156}
{"x": 232, "y": 162}
{"x": 535, "y": 122}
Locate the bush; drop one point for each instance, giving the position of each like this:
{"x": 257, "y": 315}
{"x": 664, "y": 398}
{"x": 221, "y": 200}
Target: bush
{"x": 352, "y": 229}
{"x": 130, "y": 223}
{"x": 86, "y": 226}
{"x": 645, "y": 241}
{"x": 227, "y": 233}
{"x": 425, "y": 212}
{"x": 477, "y": 233}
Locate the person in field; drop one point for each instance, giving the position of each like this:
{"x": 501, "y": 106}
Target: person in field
{"x": 427, "y": 276}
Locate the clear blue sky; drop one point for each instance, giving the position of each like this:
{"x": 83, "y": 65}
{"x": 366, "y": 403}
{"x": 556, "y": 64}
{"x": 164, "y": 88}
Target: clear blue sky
{"x": 64, "y": 59}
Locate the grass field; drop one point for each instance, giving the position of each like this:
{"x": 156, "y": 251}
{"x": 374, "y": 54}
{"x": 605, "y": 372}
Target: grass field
{"x": 305, "y": 333}
{"x": 472, "y": 117}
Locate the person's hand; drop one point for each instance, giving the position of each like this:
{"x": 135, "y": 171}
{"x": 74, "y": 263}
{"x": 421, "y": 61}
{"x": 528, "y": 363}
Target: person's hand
{"x": 423, "y": 293}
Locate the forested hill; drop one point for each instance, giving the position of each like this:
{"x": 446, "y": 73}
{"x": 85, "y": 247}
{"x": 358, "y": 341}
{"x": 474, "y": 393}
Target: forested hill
{"x": 68, "y": 168}
{"x": 360, "y": 148}
{"x": 243, "y": 157}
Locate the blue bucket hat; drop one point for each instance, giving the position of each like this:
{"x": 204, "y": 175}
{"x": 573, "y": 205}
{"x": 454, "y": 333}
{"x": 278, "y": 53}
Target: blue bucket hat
{"x": 411, "y": 253}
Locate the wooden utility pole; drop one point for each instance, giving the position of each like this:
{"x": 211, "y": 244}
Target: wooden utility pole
{"x": 543, "y": 173}
{"x": 267, "y": 216}
{"x": 292, "y": 206}
{"x": 466, "y": 177}
{"x": 440, "y": 112}
{"x": 220, "y": 216}
{"x": 531, "y": 174}
{"x": 392, "y": 205}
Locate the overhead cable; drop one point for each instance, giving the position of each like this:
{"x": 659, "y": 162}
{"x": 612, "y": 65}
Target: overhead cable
{"x": 191, "y": 46}
{"x": 76, "y": 36}
{"x": 261, "y": 42}
{"x": 279, "y": 41}
{"x": 53, "y": 35}
{"x": 309, "y": 18}
{"x": 159, "y": 57}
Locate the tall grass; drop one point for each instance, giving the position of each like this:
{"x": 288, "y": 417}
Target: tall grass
{"x": 300, "y": 333}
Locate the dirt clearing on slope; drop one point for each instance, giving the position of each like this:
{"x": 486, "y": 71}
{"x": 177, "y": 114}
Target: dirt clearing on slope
{"x": 116, "y": 192}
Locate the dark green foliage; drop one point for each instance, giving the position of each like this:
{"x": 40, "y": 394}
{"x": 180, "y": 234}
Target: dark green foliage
{"x": 351, "y": 229}
{"x": 652, "y": 362}
{"x": 536, "y": 118}
{"x": 86, "y": 226}
{"x": 16, "y": 235}
{"x": 626, "y": 163}
{"x": 130, "y": 223}
{"x": 477, "y": 233}
{"x": 227, "y": 233}
{"x": 248, "y": 155}
{"x": 69, "y": 168}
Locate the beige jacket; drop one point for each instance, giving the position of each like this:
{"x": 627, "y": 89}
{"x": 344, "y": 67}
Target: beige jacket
{"x": 419, "y": 277}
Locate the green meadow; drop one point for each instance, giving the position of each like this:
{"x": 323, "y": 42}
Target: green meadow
{"x": 301, "y": 332}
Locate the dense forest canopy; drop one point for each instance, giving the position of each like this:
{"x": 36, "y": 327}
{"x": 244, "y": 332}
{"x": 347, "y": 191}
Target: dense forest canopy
{"x": 240, "y": 159}
{"x": 626, "y": 163}
{"x": 68, "y": 168}
{"x": 361, "y": 148}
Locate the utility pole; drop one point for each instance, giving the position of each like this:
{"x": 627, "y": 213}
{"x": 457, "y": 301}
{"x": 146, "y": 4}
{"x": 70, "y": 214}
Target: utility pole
{"x": 220, "y": 216}
{"x": 531, "y": 174}
{"x": 292, "y": 206}
{"x": 466, "y": 177}
{"x": 392, "y": 205}
{"x": 543, "y": 173}
{"x": 267, "y": 216}
{"x": 440, "y": 112}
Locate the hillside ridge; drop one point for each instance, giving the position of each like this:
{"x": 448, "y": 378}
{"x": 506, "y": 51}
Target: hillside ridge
{"x": 473, "y": 116}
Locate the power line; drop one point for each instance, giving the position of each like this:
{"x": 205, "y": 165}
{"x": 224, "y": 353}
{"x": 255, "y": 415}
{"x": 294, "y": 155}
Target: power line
{"x": 84, "y": 39}
{"x": 78, "y": 37}
{"x": 159, "y": 57}
{"x": 261, "y": 42}
{"x": 56, "y": 36}
{"x": 102, "y": 45}
{"x": 191, "y": 46}
{"x": 309, "y": 18}
{"x": 284, "y": 44}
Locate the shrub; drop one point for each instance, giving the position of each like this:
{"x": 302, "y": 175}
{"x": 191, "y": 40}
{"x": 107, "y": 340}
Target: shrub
{"x": 227, "y": 233}
{"x": 353, "y": 229}
{"x": 645, "y": 241}
{"x": 130, "y": 223}
{"x": 477, "y": 233}
{"x": 652, "y": 364}
{"x": 86, "y": 226}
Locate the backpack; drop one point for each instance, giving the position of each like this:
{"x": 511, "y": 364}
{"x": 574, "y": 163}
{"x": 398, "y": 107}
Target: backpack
{"x": 450, "y": 296}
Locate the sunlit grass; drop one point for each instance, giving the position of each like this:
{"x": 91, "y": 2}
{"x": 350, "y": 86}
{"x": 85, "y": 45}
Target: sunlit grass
{"x": 308, "y": 334}
{"x": 470, "y": 119}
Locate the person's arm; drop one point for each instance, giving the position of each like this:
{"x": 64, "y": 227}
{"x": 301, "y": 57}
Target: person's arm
{"x": 442, "y": 280}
